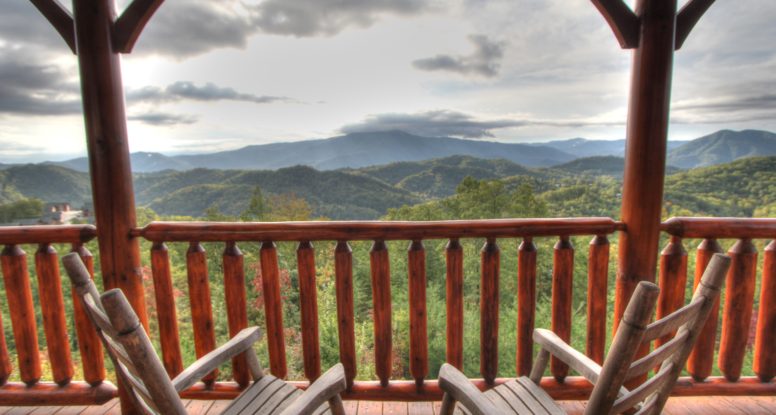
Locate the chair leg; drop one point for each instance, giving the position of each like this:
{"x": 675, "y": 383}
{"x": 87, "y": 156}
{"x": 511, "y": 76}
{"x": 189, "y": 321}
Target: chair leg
{"x": 253, "y": 364}
{"x": 448, "y": 405}
{"x": 336, "y": 405}
{"x": 539, "y": 366}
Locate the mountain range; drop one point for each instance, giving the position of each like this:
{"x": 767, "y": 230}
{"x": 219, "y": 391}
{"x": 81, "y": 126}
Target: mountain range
{"x": 378, "y": 148}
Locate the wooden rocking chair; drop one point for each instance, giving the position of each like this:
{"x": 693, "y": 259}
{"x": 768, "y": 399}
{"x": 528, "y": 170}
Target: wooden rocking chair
{"x": 524, "y": 395}
{"x": 141, "y": 371}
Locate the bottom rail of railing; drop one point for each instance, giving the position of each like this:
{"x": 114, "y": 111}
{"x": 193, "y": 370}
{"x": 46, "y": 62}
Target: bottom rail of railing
{"x": 51, "y": 394}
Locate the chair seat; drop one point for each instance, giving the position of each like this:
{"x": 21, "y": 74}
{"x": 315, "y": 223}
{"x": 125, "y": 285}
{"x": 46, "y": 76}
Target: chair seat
{"x": 269, "y": 395}
{"x": 520, "y": 396}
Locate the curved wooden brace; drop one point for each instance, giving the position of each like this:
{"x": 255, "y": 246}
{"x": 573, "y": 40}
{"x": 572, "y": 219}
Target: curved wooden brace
{"x": 60, "y": 18}
{"x": 130, "y": 24}
{"x": 687, "y": 17}
{"x": 624, "y": 23}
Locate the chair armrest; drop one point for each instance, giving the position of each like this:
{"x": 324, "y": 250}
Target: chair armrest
{"x": 455, "y": 383}
{"x": 575, "y": 359}
{"x": 325, "y": 388}
{"x": 238, "y": 344}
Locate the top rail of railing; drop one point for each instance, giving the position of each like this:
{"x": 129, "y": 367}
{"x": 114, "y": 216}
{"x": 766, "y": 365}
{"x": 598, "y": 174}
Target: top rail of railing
{"x": 39, "y": 234}
{"x": 373, "y": 230}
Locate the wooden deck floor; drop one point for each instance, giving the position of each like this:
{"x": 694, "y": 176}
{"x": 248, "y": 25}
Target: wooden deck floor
{"x": 712, "y": 405}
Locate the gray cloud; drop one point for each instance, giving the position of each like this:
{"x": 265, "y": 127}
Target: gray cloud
{"x": 731, "y": 103}
{"x": 162, "y": 119}
{"x": 22, "y": 23}
{"x": 484, "y": 61}
{"x": 183, "y": 90}
{"x": 36, "y": 89}
{"x": 442, "y": 123}
{"x": 327, "y": 17}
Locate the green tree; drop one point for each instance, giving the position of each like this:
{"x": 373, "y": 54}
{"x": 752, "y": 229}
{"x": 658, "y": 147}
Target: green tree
{"x": 257, "y": 209}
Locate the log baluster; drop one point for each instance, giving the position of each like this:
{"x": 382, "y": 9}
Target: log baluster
{"x": 52, "y": 306}
{"x": 343, "y": 270}
{"x": 597, "y": 281}
{"x": 381, "y": 297}
{"x": 562, "y": 284}
{"x": 737, "y": 314}
{"x": 201, "y": 306}
{"x": 236, "y": 307}
{"x": 701, "y": 358}
{"x": 308, "y": 300}
{"x": 526, "y": 305}
{"x": 273, "y": 309}
{"x": 764, "y": 350}
{"x": 5, "y": 359}
{"x": 89, "y": 343}
{"x": 673, "y": 280}
{"x": 489, "y": 302}
{"x": 166, "y": 313}
{"x": 416, "y": 263}
{"x": 25, "y": 329}
{"x": 454, "y": 302}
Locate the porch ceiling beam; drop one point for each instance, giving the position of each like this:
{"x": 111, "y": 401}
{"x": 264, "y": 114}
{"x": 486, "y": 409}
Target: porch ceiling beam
{"x": 130, "y": 24}
{"x": 60, "y": 18}
{"x": 623, "y": 21}
{"x": 687, "y": 17}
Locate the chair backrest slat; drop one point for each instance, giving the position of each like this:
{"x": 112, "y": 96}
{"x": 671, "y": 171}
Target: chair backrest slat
{"x": 673, "y": 321}
{"x": 634, "y": 330}
{"x": 137, "y": 365}
{"x": 657, "y": 356}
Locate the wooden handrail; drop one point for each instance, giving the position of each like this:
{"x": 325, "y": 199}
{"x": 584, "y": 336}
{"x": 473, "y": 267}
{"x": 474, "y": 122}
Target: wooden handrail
{"x": 50, "y": 234}
{"x": 372, "y": 230}
{"x": 734, "y": 228}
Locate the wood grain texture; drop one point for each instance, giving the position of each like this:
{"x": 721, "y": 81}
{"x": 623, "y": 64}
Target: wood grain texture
{"x": 343, "y": 270}
{"x": 89, "y": 344}
{"x": 454, "y": 303}
{"x": 701, "y": 359}
{"x": 49, "y": 393}
{"x": 5, "y": 359}
{"x": 597, "y": 285}
{"x": 38, "y": 234}
{"x": 737, "y": 314}
{"x": 562, "y": 287}
{"x": 166, "y": 312}
{"x": 490, "y": 266}
{"x": 373, "y": 230}
{"x": 722, "y": 228}
{"x": 25, "y": 329}
{"x": 273, "y": 309}
{"x": 764, "y": 352}
{"x": 526, "y": 305}
{"x": 308, "y": 304}
{"x": 381, "y": 307}
{"x": 416, "y": 273}
{"x": 52, "y": 306}
{"x": 672, "y": 281}
{"x": 201, "y": 305}
{"x": 237, "y": 307}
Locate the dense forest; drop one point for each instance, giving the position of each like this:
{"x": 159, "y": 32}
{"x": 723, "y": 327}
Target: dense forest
{"x": 452, "y": 188}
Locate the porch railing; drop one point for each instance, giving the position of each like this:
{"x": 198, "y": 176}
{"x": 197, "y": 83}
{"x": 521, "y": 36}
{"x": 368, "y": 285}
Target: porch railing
{"x": 737, "y": 310}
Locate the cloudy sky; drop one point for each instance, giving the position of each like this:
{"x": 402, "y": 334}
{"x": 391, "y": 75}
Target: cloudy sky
{"x": 212, "y": 75}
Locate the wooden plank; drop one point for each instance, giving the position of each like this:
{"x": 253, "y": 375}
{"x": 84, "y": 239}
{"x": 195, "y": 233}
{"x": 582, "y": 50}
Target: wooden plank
{"x": 381, "y": 298}
{"x": 701, "y": 358}
{"x": 454, "y": 303}
{"x": 89, "y": 343}
{"x": 166, "y": 312}
{"x": 308, "y": 304}
{"x": 236, "y": 306}
{"x": 490, "y": 265}
{"x": 562, "y": 287}
{"x": 25, "y": 331}
{"x": 52, "y": 305}
{"x": 597, "y": 281}
{"x": 370, "y": 408}
{"x": 343, "y": 269}
{"x": 201, "y": 306}
{"x": 764, "y": 352}
{"x": 526, "y": 305}
{"x": 416, "y": 273}
{"x": 737, "y": 314}
{"x": 418, "y": 408}
{"x": 273, "y": 311}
